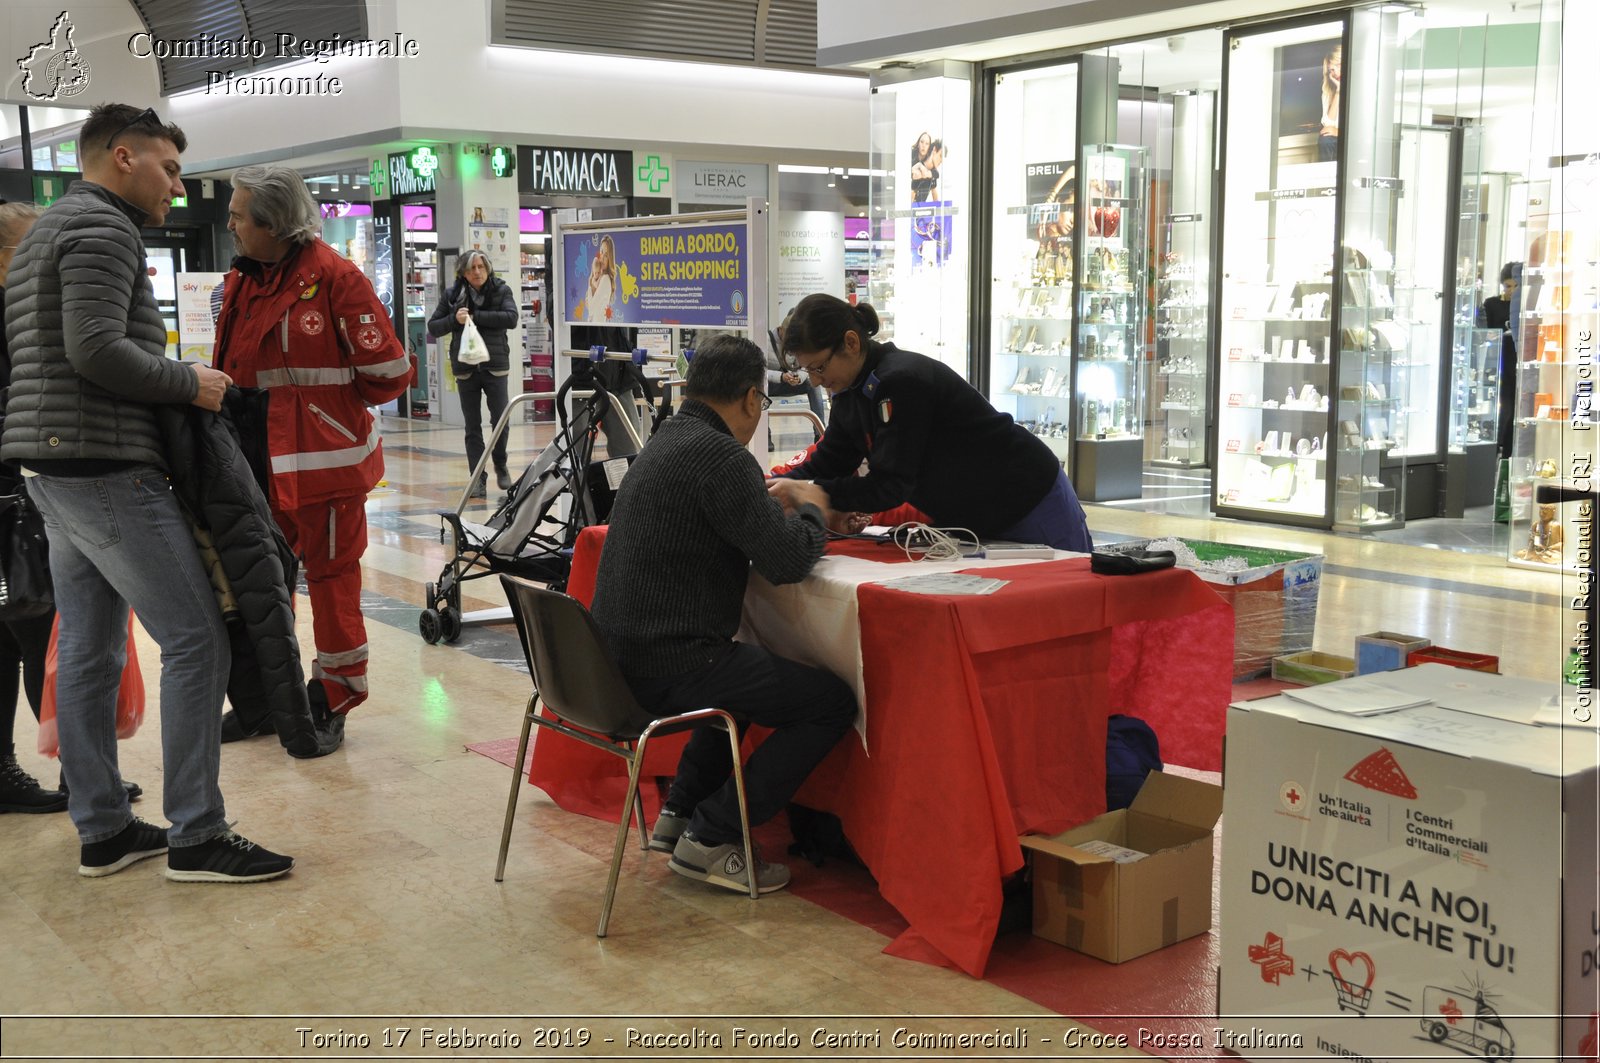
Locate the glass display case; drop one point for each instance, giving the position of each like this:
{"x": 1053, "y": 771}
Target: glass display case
{"x": 921, "y": 147}
{"x": 1328, "y": 388}
{"x": 1475, "y": 397}
{"x": 1111, "y": 323}
{"x": 1554, "y": 440}
{"x": 1475, "y": 349}
{"x": 1392, "y": 267}
{"x": 1276, "y": 297}
{"x": 1374, "y": 346}
{"x": 1179, "y": 392}
{"x": 1034, "y": 181}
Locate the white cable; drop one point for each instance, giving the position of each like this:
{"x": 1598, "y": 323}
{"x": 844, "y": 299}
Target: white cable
{"x": 922, "y": 542}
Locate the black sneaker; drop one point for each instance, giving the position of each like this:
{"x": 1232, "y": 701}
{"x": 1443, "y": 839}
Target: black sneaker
{"x": 228, "y": 857}
{"x": 502, "y": 477}
{"x": 21, "y": 792}
{"x": 137, "y": 841}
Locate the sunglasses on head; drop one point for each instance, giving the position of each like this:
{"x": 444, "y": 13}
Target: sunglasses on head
{"x": 146, "y": 115}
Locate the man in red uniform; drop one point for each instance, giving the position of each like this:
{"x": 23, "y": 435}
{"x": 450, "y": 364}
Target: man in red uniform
{"x": 305, "y": 324}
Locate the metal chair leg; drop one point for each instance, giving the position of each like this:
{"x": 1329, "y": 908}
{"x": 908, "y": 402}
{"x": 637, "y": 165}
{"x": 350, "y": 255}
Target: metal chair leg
{"x": 634, "y": 765}
{"x": 744, "y": 808}
{"x": 516, "y": 786}
{"x": 638, "y": 814}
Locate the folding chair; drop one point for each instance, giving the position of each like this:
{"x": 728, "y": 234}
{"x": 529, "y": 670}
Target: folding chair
{"x": 579, "y": 684}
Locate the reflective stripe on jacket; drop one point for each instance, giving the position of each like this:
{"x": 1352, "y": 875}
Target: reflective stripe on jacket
{"x": 312, "y": 332}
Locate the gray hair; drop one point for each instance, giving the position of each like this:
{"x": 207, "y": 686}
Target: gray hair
{"x": 280, "y": 202}
{"x": 465, "y": 262}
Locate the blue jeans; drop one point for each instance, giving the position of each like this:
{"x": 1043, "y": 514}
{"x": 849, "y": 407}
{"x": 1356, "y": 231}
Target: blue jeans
{"x": 116, "y": 540}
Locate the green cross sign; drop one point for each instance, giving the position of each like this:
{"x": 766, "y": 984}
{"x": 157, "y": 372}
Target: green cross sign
{"x": 424, "y": 161}
{"x": 654, "y": 173}
{"x": 380, "y": 179}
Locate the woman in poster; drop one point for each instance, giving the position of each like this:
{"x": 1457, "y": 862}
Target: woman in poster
{"x": 602, "y": 283}
{"x": 1332, "y": 76}
{"x": 927, "y": 155}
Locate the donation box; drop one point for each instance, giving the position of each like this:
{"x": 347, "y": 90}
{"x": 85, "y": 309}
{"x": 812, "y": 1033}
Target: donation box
{"x": 1416, "y": 884}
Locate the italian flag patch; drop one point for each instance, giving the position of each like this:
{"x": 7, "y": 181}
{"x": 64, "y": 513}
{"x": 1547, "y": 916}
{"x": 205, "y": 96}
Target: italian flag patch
{"x": 885, "y": 410}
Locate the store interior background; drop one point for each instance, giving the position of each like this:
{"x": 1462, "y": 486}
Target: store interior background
{"x": 1473, "y": 68}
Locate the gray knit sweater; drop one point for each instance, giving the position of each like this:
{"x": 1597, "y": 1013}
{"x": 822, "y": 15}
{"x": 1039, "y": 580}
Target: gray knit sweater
{"x": 691, "y": 517}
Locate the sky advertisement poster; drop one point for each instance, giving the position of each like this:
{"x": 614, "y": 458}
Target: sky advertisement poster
{"x": 679, "y": 275}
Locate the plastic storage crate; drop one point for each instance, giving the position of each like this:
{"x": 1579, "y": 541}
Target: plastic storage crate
{"x": 1273, "y": 594}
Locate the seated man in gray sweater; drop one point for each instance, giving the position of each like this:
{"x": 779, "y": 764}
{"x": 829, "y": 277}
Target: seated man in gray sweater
{"x": 690, "y": 520}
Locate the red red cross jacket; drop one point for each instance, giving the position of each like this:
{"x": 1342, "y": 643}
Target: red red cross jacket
{"x": 313, "y": 332}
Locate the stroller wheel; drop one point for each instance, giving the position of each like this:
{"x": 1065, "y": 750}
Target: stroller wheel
{"x": 428, "y": 623}
{"x": 450, "y": 620}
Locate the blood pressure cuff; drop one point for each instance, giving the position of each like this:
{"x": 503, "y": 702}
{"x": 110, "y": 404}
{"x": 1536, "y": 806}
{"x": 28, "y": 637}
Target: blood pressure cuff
{"x": 1131, "y": 562}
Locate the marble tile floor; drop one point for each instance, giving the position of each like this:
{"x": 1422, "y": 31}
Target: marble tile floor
{"x": 392, "y": 909}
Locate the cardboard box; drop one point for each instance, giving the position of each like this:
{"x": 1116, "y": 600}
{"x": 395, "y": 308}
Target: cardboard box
{"x": 1386, "y": 651}
{"x": 1312, "y": 667}
{"x": 1477, "y": 662}
{"x": 1421, "y": 884}
{"x": 1105, "y": 905}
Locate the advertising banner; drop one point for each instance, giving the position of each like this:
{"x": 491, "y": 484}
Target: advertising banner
{"x": 810, "y": 256}
{"x": 696, "y": 275}
{"x": 727, "y": 183}
{"x": 197, "y": 332}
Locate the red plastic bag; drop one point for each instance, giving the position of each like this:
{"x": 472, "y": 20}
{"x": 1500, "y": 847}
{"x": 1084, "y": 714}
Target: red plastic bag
{"x": 130, "y": 694}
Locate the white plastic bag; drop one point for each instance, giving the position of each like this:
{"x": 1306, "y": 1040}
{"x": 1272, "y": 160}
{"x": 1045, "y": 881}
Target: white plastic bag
{"x": 472, "y": 350}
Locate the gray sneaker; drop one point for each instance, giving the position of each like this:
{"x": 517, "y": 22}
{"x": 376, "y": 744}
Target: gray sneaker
{"x": 723, "y": 865}
{"x": 668, "y": 829}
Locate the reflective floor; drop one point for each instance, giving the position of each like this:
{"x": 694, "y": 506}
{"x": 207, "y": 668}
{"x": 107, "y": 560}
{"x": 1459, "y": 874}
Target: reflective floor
{"x": 392, "y": 909}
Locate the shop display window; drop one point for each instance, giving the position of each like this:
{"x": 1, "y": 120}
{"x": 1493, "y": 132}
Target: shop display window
{"x": 1330, "y": 330}
{"x": 1111, "y": 322}
{"x": 921, "y": 156}
{"x": 1276, "y": 428}
{"x": 1179, "y": 391}
{"x": 1554, "y": 435}
{"x": 1033, "y": 228}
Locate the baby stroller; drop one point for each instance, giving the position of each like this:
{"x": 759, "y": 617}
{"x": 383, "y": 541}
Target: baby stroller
{"x": 528, "y": 534}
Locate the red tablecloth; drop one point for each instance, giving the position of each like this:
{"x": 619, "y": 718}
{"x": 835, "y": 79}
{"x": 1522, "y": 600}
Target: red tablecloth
{"x": 986, "y": 719}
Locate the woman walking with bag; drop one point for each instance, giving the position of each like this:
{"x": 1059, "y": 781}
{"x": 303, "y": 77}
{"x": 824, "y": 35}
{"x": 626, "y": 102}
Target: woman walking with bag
{"x": 478, "y": 311}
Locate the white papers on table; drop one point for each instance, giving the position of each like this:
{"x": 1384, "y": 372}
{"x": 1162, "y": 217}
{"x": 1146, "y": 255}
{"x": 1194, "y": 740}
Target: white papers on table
{"x": 1497, "y": 697}
{"x": 1366, "y": 695}
{"x": 943, "y": 583}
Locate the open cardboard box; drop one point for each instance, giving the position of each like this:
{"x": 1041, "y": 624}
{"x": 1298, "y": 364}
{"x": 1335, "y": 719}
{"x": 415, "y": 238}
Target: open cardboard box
{"x": 1118, "y": 910}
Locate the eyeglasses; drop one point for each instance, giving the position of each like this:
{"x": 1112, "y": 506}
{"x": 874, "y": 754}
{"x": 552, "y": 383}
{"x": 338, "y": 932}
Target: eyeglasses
{"x": 146, "y": 115}
{"x": 766, "y": 401}
{"x": 815, "y": 372}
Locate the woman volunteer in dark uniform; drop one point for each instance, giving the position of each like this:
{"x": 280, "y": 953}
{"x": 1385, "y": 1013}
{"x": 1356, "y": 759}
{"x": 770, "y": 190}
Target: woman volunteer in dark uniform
{"x": 928, "y": 436}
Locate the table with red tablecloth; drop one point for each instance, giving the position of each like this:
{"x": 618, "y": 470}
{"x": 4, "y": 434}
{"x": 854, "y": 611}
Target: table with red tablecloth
{"x": 985, "y": 719}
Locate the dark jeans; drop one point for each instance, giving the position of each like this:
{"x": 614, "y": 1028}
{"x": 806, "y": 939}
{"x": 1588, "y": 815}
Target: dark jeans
{"x": 807, "y": 708}
{"x": 482, "y": 384}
